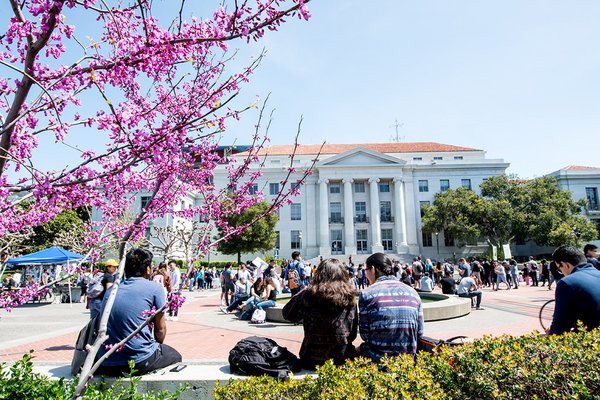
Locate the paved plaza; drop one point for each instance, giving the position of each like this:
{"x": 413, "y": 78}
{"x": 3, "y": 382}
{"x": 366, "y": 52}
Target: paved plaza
{"x": 204, "y": 334}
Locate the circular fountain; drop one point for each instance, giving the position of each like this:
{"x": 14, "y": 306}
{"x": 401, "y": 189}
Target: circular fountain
{"x": 435, "y": 307}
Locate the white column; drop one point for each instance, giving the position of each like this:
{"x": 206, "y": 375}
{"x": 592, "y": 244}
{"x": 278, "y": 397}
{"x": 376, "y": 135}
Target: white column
{"x": 411, "y": 215}
{"x": 311, "y": 237}
{"x": 324, "y": 245}
{"x": 350, "y": 244}
{"x": 375, "y": 216}
{"x": 400, "y": 212}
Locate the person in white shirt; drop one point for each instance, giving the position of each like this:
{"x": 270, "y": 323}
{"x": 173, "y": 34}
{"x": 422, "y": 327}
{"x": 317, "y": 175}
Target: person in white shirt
{"x": 426, "y": 283}
{"x": 175, "y": 274}
{"x": 468, "y": 288}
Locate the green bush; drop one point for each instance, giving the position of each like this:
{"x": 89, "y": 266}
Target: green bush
{"x": 526, "y": 367}
{"x": 20, "y": 382}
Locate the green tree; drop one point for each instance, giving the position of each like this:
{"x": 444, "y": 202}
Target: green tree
{"x": 47, "y": 233}
{"x": 507, "y": 208}
{"x": 259, "y": 236}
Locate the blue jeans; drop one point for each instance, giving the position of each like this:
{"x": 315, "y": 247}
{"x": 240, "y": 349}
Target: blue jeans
{"x": 95, "y": 305}
{"x": 266, "y": 304}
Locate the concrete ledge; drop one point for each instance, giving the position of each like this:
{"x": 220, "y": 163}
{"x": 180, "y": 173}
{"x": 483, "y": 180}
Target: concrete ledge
{"x": 201, "y": 378}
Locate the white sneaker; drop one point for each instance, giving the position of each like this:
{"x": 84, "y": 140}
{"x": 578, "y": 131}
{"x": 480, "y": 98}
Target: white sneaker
{"x": 167, "y": 318}
{"x": 480, "y": 308}
{"x": 174, "y": 319}
{"x": 223, "y": 309}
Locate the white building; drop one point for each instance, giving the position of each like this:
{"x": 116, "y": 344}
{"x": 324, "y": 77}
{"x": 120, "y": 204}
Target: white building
{"x": 366, "y": 198}
{"x": 584, "y": 183}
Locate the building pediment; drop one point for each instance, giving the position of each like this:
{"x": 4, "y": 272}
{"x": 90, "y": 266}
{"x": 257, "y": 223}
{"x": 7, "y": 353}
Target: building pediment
{"x": 361, "y": 156}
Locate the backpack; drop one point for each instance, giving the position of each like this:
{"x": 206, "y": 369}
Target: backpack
{"x": 293, "y": 277}
{"x": 257, "y": 356}
{"x": 87, "y": 336}
{"x": 258, "y": 316}
{"x": 95, "y": 287}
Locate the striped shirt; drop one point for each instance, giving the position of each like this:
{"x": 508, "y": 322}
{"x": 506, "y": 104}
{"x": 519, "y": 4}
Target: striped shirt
{"x": 390, "y": 318}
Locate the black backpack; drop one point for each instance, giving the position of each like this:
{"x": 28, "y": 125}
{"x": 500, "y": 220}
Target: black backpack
{"x": 257, "y": 356}
{"x": 87, "y": 335}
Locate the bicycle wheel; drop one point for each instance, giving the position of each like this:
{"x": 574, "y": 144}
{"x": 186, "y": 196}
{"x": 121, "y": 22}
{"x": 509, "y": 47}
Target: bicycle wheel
{"x": 546, "y": 315}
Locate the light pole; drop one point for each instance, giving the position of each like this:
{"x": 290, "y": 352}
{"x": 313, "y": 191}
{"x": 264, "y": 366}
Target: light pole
{"x": 437, "y": 244}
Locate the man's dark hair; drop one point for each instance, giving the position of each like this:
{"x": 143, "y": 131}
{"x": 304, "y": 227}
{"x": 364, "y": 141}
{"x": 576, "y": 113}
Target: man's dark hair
{"x": 382, "y": 263}
{"x": 295, "y": 255}
{"x": 569, "y": 254}
{"x": 589, "y": 247}
{"x": 136, "y": 262}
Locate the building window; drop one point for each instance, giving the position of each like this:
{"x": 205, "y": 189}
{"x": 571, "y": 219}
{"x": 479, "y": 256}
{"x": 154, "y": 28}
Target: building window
{"x": 361, "y": 241}
{"x": 466, "y": 183}
{"x": 438, "y": 158}
{"x": 592, "y": 197}
{"x": 458, "y": 157}
{"x": 144, "y": 201}
{"x": 444, "y": 185}
{"x": 147, "y": 233}
{"x": 597, "y": 223}
{"x": 335, "y": 212}
{"x": 423, "y": 185}
{"x": 387, "y": 239}
{"x": 273, "y": 188}
{"x": 385, "y": 210}
{"x": 275, "y": 161}
{"x": 295, "y": 186}
{"x": 334, "y": 188}
{"x": 277, "y": 239}
{"x": 359, "y": 187}
{"x": 253, "y": 189}
{"x": 296, "y": 240}
{"x": 427, "y": 241}
{"x": 384, "y": 187}
{"x": 360, "y": 211}
{"x": 336, "y": 242}
{"x": 296, "y": 211}
{"x": 417, "y": 158}
{"x": 422, "y": 205}
{"x": 448, "y": 239}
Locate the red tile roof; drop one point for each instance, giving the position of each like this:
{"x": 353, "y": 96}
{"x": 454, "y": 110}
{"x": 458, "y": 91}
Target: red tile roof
{"x": 578, "y": 168}
{"x": 395, "y": 147}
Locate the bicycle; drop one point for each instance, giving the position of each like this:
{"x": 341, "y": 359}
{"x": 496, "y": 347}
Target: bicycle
{"x": 546, "y": 314}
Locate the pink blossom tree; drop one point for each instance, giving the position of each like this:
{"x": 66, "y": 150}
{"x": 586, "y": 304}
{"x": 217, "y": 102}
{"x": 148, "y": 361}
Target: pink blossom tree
{"x": 148, "y": 96}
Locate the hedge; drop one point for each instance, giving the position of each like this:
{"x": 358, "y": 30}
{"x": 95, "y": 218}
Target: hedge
{"x": 507, "y": 367}
{"x": 20, "y": 382}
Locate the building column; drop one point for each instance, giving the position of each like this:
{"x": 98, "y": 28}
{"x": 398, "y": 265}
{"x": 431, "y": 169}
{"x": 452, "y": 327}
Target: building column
{"x": 350, "y": 243}
{"x": 311, "y": 240}
{"x": 400, "y": 215}
{"x": 411, "y": 216}
{"x": 324, "y": 245}
{"x": 375, "y": 216}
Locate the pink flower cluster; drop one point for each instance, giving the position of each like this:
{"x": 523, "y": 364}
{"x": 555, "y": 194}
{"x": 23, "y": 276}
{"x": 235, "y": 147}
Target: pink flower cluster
{"x": 159, "y": 95}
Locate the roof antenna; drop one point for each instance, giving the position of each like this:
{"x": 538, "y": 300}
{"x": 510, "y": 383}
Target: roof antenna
{"x": 397, "y": 125}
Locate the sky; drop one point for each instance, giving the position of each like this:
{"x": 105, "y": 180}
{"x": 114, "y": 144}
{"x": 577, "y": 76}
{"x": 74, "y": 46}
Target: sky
{"x": 518, "y": 79}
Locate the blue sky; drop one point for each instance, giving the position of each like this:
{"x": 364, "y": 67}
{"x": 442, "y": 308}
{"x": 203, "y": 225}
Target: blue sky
{"x": 519, "y": 79}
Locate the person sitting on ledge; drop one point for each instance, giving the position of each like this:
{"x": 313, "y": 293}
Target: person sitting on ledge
{"x": 136, "y": 295}
{"x": 327, "y": 309}
{"x": 390, "y": 312}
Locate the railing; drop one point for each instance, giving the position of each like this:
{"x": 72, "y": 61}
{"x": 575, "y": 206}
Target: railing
{"x": 336, "y": 220}
{"x": 593, "y": 207}
{"x": 387, "y": 218}
{"x": 361, "y": 218}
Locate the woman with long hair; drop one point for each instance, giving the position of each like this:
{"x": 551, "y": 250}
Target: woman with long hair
{"x": 327, "y": 309}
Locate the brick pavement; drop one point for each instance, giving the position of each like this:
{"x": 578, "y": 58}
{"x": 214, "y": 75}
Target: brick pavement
{"x": 203, "y": 333}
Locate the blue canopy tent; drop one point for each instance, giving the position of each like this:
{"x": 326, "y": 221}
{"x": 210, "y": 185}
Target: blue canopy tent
{"x": 53, "y": 255}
